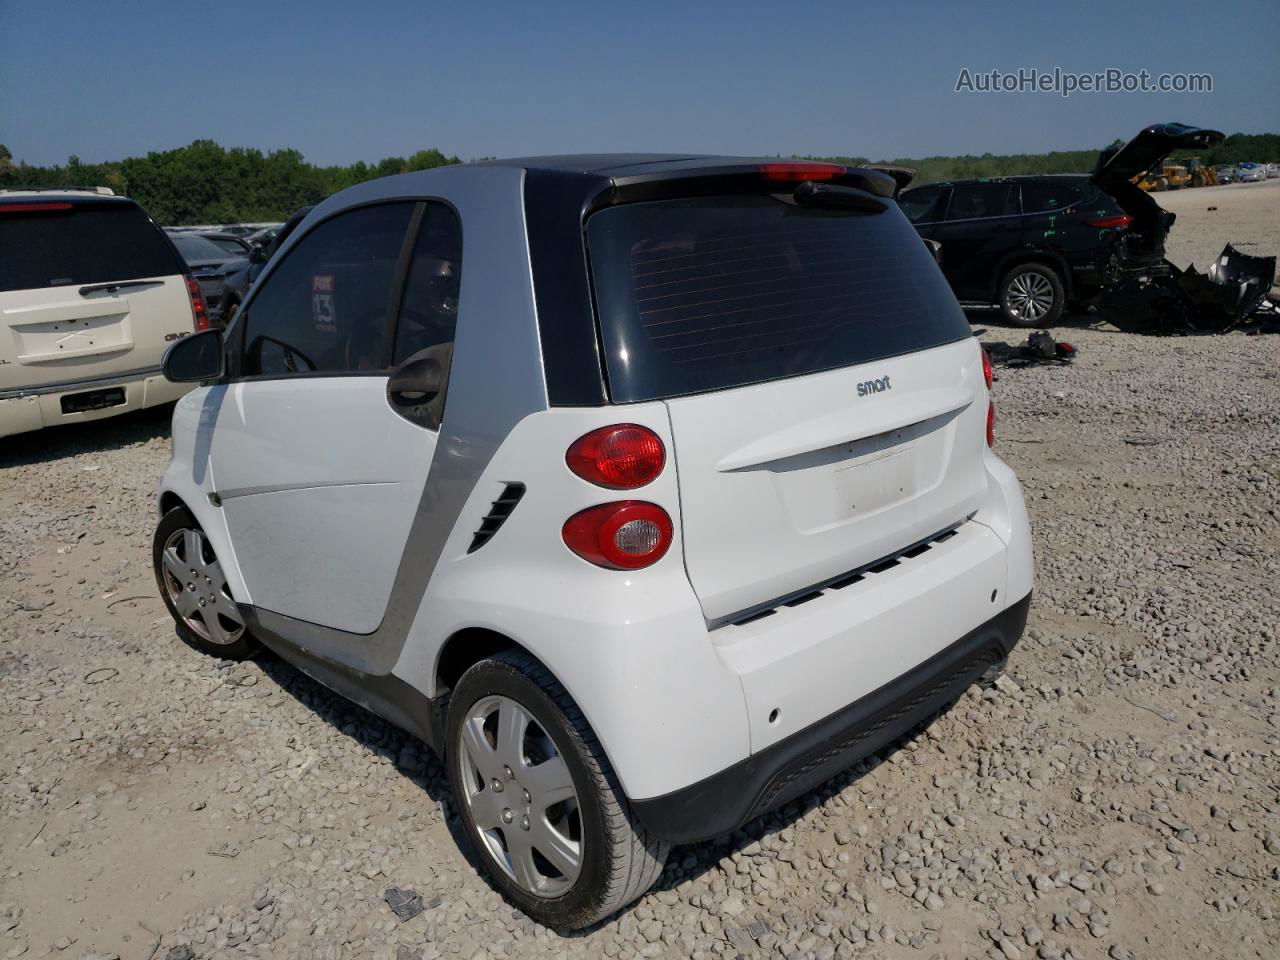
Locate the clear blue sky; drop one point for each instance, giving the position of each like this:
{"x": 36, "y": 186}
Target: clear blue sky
{"x": 344, "y": 81}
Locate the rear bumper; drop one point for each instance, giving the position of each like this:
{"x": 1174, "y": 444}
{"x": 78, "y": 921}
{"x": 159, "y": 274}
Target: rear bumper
{"x": 33, "y": 408}
{"x": 760, "y": 783}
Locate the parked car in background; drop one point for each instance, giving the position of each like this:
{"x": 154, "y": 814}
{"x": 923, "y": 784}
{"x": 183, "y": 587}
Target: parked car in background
{"x": 236, "y": 283}
{"x": 238, "y": 229}
{"x": 1273, "y": 170}
{"x": 92, "y": 292}
{"x": 210, "y": 264}
{"x": 1247, "y": 172}
{"x": 645, "y": 541}
{"x": 1032, "y": 244}
{"x": 1226, "y": 173}
{"x": 236, "y": 246}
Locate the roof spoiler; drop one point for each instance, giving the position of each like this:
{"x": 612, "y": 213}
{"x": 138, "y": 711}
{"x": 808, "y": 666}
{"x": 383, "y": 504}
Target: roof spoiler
{"x": 745, "y": 178}
{"x": 100, "y": 191}
{"x": 902, "y": 176}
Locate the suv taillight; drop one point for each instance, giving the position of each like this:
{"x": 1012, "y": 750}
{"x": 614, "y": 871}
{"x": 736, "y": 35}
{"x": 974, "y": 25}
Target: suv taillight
{"x": 1111, "y": 223}
{"x": 199, "y": 315}
{"x": 625, "y": 535}
{"x": 621, "y": 457}
{"x": 989, "y": 375}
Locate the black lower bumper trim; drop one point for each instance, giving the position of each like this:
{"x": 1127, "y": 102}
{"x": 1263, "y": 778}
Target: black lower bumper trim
{"x": 766, "y": 780}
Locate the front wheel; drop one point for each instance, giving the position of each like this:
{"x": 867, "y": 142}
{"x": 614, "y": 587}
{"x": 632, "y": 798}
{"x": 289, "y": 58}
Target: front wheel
{"x": 195, "y": 590}
{"x": 538, "y": 798}
{"x": 1031, "y": 295}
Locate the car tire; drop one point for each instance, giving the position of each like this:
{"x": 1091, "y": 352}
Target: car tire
{"x": 538, "y": 798}
{"x": 194, "y": 589}
{"x": 1031, "y": 295}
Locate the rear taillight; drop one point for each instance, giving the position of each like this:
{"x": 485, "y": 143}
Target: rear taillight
{"x": 620, "y": 457}
{"x": 795, "y": 172}
{"x": 33, "y": 207}
{"x": 625, "y": 535}
{"x": 199, "y": 315}
{"x": 1111, "y": 223}
{"x": 989, "y": 375}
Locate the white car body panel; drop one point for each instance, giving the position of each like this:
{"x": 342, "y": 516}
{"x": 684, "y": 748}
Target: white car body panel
{"x": 787, "y": 483}
{"x": 630, "y": 647}
{"x": 337, "y": 499}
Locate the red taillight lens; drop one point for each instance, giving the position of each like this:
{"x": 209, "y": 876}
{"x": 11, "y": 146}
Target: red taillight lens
{"x": 626, "y": 535}
{"x": 800, "y": 171}
{"x": 988, "y": 374}
{"x": 1111, "y": 223}
{"x": 199, "y": 315}
{"x": 621, "y": 457}
{"x": 991, "y": 424}
{"x": 33, "y": 207}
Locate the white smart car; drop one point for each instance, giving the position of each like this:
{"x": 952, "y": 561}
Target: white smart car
{"x": 649, "y": 491}
{"x": 92, "y": 292}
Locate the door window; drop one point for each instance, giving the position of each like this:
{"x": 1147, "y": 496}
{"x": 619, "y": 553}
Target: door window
{"x": 325, "y": 309}
{"x": 429, "y": 307}
{"x": 971, "y": 201}
{"x": 922, "y": 206}
{"x": 1040, "y": 196}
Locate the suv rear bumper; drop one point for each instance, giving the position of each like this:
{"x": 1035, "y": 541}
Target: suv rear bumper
{"x": 780, "y": 773}
{"x": 32, "y": 408}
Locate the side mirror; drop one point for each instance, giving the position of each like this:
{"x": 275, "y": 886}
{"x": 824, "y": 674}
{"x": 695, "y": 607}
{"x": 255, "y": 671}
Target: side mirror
{"x": 259, "y": 254}
{"x": 935, "y": 248}
{"x": 194, "y": 358}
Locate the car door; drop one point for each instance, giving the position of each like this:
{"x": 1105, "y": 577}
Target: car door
{"x": 981, "y": 225}
{"x": 318, "y": 462}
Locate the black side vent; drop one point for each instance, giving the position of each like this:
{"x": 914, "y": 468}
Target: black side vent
{"x": 497, "y": 515}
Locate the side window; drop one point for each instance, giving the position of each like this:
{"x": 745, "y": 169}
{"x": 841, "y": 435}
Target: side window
{"x": 325, "y": 308}
{"x": 429, "y": 307}
{"x": 970, "y": 201}
{"x": 923, "y": 205}
{"x": 1039, "y": 196}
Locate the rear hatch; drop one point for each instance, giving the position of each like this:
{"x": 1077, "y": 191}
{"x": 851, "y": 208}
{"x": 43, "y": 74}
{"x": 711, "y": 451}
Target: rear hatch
{"x": 90, "y": 289}
{"x": 1142, "y": 246}
{"x": 826, "y": 395}
{"x": 1148, "y": 148}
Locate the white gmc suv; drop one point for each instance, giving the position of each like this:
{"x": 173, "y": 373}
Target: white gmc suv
{"x": 649, "y": 491}
{"x": 92, "y": 292}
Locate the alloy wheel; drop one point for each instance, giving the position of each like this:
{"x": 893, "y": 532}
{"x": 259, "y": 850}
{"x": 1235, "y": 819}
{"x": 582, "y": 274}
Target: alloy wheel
{"x": 1030, "y": 296}
{"x": 520, "y": 794}
{"x": 197, "y": 588}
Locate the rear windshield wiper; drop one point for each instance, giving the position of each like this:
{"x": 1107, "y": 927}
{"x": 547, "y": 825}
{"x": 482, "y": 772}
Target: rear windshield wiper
{"x": 834, "y": 196}
{"x": 119, "y": 285}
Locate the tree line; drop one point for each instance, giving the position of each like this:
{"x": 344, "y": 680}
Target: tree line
{"x": 208, "y": 183}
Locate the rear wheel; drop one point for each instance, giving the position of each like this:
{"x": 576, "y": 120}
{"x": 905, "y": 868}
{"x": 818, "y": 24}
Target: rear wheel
{"x": 1031, "y": 295}
{"x": 195, "y": 590}
{"x": 538, "y": 797}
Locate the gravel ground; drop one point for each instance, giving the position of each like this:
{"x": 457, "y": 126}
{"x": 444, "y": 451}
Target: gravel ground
{"x": 1116, "y": 794}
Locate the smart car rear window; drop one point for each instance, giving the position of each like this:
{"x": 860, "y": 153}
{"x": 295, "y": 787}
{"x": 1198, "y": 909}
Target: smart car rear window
{"x": 79, "y": 243}
{"x": 710, "y": 293}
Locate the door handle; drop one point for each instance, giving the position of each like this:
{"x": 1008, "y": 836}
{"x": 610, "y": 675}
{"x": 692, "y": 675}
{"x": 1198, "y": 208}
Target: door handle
{"x": 416, "y": 389}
